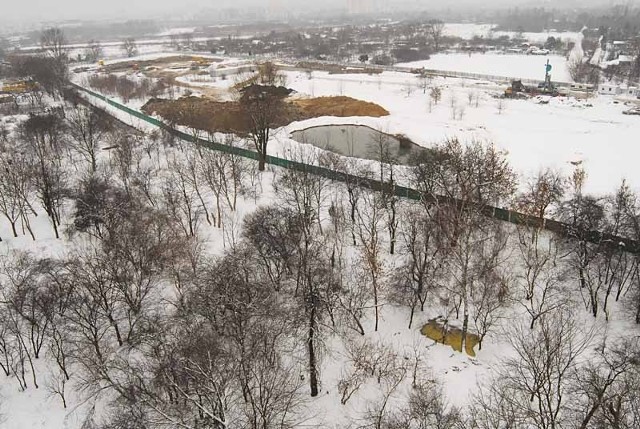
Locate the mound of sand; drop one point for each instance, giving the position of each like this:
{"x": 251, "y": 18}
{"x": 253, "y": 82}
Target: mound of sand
{"x": 231, "y": 117}
{"x": 339, "y": 106}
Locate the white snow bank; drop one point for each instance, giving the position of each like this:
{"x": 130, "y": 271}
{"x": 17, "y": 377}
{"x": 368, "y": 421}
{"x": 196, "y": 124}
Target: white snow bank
{"x": 515, "y": 66}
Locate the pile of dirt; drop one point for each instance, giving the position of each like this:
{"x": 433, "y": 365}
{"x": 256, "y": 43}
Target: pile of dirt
{"x": 209, "y": 115}
{"x": 339, "y": 106}
{"x": 183, "y": 60}
{"x": 231, "y": 117}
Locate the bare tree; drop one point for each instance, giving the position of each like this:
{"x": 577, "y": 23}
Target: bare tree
{"x": 314, "y": 277}
{"x": 427, "y": 408}
{"x": 94, "y": 51}
{"x": 423, "y": 81}
{"x": 453, "y": 105}
{"x": 435, "y": 30}
{"x": 369, "y": 220}
{"x": 605, "y": 387}
{"x": 367, "y": 361}
{"x": 583, "y": 214}
{"x": 382, "y": 152}
{"x": 436, "y": 95}
{"x": 187, "y": 39}
{"x": 53, "y": 41}
{"x": 87, "y": 127}
{"x": 490, "y": 298}
{"x": 225, "y": 174}
{"x": 578, "y": 68}
{"x": 615, "y": 267}
{"x": 543, "y": 192}
{"x": 16, "y": 190}
{"x": 425, "y": 256}
{"x": 42, "y": 135}
{"x": 542, "y": 273}
{"x": 263, "y": 109}
{"x": 182, "y": 201}
{"x": 269, "y": 74}
{"x": 455, "y": 183}
{"x": 532, "y": 389}
{"x": 274, "y": 233}
{"x": 129, "y": 47}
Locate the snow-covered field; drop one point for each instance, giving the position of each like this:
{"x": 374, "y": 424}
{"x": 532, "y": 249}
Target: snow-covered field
{"x": 469, "y": 31}
{"x": 508, "y": 65}
{"x": 535, "y": 135}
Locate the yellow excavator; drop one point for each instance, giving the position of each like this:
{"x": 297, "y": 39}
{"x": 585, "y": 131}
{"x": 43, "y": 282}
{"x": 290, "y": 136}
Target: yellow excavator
{"x": 197, "y": 62}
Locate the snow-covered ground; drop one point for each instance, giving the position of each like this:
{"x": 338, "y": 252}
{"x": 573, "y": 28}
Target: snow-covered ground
{"x": 509, "y": 65}
{"x": 535, "y": 135}
{"x": 469, "y": 31}
{"x": 177, "y": 31}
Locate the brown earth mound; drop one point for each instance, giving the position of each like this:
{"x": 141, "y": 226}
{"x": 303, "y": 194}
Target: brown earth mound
{"x": 209, "y": 115}
{"x": 183, "y": 60}
{"x": 339, "y": 106}
{"x": 231, "y": 117}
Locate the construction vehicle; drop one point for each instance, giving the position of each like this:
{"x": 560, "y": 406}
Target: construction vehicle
{"x": 518, "y": 90}
{"x": 198, "y": 62}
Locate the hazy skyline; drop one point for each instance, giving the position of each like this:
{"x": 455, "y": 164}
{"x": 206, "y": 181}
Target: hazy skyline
{"x": 48, "y": 10}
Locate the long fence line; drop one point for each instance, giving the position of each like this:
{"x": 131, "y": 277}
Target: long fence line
{"x": 435, "y": 72}
{"x": 468, "y": 75}
{"x": 502, "y": 214}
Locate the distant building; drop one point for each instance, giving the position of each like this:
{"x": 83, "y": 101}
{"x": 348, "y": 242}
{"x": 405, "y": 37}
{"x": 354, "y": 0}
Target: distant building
{"x": 618, "y": 90}
{"x": 609, "y": 89}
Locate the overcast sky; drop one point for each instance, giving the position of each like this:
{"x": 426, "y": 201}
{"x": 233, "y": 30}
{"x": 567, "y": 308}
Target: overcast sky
{"x": 50, "y": 10}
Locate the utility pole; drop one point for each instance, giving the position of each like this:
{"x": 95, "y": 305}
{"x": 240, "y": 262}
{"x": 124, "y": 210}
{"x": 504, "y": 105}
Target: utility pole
{"x": 547, "y": 76}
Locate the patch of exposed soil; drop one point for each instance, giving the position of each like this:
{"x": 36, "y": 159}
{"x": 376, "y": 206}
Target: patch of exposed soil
{"x": 231, "y": 117}
{"x": 161, "y": 63}
{"x": 340, "y": 106}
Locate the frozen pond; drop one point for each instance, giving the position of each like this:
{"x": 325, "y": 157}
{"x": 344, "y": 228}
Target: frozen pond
{"x": 360, "y": 141}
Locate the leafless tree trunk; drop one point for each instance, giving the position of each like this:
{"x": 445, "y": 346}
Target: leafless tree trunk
{"x": 263, "y": 109}
{"x": 129, "y": 47}
{"x": 44, "y": 141}
{"x": 87, "y": 127}
{"x": 369, "y": 217}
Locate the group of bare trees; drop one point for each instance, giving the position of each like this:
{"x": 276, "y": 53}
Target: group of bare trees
{"x": 562, "y": 375}
{"x": 129, "y": 47}
{"x": 46, "y": 71}
{"x": 117, "y": 311}
{"x": 127, "y": 88}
